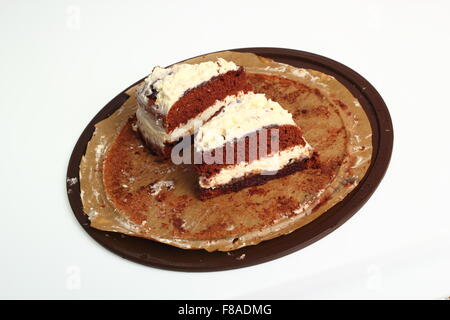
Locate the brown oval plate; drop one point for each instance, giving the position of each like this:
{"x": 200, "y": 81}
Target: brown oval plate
{"x": 159, "y": 255}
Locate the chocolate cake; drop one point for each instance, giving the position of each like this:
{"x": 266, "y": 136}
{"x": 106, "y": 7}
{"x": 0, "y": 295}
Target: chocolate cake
{"x": 250, "y": 141}
{"x": 242, "y": 139}
{"x": 174, "y": 101}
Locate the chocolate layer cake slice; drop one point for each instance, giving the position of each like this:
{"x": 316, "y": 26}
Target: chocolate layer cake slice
{"x": 250, "y": 141}
{"x": 174, "y": 101}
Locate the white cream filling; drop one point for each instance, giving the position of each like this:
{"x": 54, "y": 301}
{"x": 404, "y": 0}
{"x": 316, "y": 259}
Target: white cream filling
{"x": 171, "y": 83}
{"x": 151, "y": 128}
{"x": 154, "y": 131}
{"x": 245, "y": 115}
{"x": 264, "y": 165}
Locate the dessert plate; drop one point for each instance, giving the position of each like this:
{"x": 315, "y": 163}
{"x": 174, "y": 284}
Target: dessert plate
{"x": 160, "y": 255}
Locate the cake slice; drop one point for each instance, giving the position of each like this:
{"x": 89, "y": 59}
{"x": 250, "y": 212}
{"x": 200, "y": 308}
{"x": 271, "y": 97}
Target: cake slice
{"x": 174, "y": 101}
{"x": 250, "y": 141}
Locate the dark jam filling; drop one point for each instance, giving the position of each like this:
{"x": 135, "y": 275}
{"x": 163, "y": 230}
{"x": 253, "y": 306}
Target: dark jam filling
{"x": 153, "y": 95}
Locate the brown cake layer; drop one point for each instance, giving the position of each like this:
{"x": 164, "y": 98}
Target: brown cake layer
{"x": 288, "y": 135}
{"x": 198, "y": 99}
{"x": 258, "y": 179}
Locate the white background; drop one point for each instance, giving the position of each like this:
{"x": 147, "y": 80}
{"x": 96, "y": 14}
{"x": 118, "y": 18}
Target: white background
{"x": 62, "y": 61}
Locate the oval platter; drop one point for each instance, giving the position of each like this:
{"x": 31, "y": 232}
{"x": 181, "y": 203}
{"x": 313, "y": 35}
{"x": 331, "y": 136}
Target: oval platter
{"x": 159, "y": 255}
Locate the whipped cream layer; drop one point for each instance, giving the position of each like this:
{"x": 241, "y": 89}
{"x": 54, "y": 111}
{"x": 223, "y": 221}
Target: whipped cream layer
{"x": 170, "y": 84}
{"x": 245, "y": 115}
{"x": 153, "y": 129}
{"x": 268, "y": 165}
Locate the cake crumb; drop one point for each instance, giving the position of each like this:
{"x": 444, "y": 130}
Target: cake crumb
{"x": 241, "y": 257}
{"x": 99, "y": 151}
{"x": 92, "y": 214}
{"x": 72, "y": 181}
{"x": 157, "y": 187}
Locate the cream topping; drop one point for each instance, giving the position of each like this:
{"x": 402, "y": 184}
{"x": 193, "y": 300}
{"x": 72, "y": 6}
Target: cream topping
{"x": 154, "y": 131}
{"x": 171, "y": 83}
{"x": 268, "y": 165}
{"x": 245, "y": 115}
